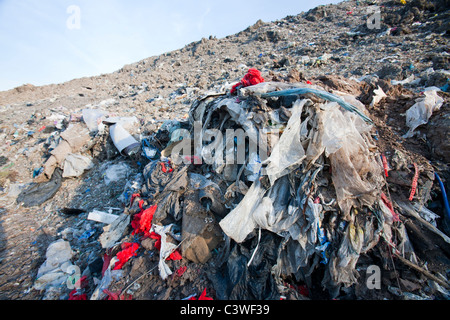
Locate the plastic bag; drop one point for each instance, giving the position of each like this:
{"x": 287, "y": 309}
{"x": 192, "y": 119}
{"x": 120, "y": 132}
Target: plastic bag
{"x": 93, "y": 119}
{"x": 356, "y": 173}
{"x": 288, "y": 153}
{"x": 422, "y": 110}
{"x": 239, "y": 222}
{"x": 116, "y": 172}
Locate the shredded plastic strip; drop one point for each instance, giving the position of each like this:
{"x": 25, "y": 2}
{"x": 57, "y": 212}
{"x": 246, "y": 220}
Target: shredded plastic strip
{"x": 414, "y": 183}
{"x": 322, "y": 94}
{"x": 385, "y": 165}
{"x": 389, "y": 205}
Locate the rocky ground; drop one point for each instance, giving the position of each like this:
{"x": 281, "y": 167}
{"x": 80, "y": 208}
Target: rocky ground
{"x": 329, "y": 45}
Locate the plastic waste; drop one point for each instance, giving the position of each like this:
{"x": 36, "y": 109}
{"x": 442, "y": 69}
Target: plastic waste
{"x": 422, "y": 110}
{"x": 123, "y": 140}
{"x": 378, "y": 95}
{"x": 53, "y": 272}
{"x": 131, "y": 187}
{"x": 347, "y": 146}
{"x": 322, "y": 94}
{"x": 444, "y": 195}
{"x": 288, "y": 153}
{"x": 115, "y": 172}
{"x": 93, "y": 119}
{"x": 237, "y": 281}
{"x": 114, "y": 231}
{"x": 76, "y": 164}
{"x": 101, "y": 216}
{"x": 38, "y": 193}
{"x": 166, "y": 247}
{"x": 108, "y": 276}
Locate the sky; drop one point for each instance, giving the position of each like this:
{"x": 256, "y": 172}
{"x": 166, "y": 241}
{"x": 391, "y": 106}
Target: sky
{"x": 53, "y": 41}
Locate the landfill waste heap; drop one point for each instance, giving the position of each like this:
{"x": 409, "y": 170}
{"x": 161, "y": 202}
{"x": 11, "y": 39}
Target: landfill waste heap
{"x": 272, "y": 186}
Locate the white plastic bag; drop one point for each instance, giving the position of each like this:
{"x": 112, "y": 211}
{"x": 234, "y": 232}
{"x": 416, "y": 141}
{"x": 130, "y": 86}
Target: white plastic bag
{"x": 239, "y": 222}
{"x": 422, "y": 110}
{"x": 288, "y": 152}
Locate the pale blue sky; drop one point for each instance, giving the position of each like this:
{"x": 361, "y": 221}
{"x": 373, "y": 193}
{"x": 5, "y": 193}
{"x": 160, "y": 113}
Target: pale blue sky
{"x": 37, "y": 47}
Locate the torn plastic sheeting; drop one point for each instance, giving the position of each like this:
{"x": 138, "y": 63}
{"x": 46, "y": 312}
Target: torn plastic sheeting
{"x": 237, "y": 281}
{"x": 351, "y": 161}
{"x": 422, "y": 110}
{"x": 53, "y": 271}
{"x": 274, "y": 212}
{"x": 37, "y": 193}
{"x": 342, "y": 264}
{"x": 198, "y": 181}
{"x": 93, "y": 119}
{"x": 76, "y": 164}
{"x": 166, "y": 247}
{"x": 107, "y": 278}
{"x": 356, "y": 172}
{"x": 288, "y": 152}
{"x": 115, "y": 172}
{"x": 322, "y": 94}
{"x": 239, "y": 222}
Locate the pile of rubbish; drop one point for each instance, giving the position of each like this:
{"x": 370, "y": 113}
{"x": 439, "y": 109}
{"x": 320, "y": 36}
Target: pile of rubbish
{"x": 280, "y": 190}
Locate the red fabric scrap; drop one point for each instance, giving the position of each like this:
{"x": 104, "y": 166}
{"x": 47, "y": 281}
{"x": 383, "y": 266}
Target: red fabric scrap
{"x": 389, "y": 205}
{"x": 414, "y": 183}
{"x": 115, "y": 296}
{"x": 128, "y": 250}
{"x": 142, "y": 221}
{"x": 202, "y": 296}
{"x": 252, "y": 77}
{"x": 181, "y": 270}
{"x": 308, "y": 82}
{"x": 74, "y": 295}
